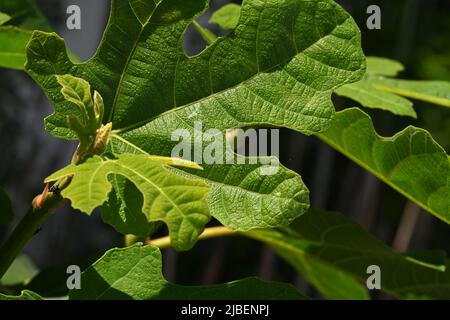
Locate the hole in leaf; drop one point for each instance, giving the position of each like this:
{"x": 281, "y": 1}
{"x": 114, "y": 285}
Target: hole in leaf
{"x": 193, "y": 42}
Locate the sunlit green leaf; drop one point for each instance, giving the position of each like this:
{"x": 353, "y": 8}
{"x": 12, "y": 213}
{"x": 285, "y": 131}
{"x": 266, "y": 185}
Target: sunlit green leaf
{"x": 378, "y": 91}
{"x": 411, "y": 161}
{"x": 177, "y": 201}
{"x": 275, "y": 74}
{"x": 383, "y": 67}
{"x": 4, "y": 18}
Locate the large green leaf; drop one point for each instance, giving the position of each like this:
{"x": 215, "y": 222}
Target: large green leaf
{"x": 17, "y": 20}
{"x": 383, "y": 67}
{"x": 177, "y": 201}
{"x": 278, "y": 67}
{"x": 6, "y": 210}
{"x": 377, "y": 90}
{"x": 328, "y": 248}
{"x": 411, "y": 161}
{"x": 135, "y": 273}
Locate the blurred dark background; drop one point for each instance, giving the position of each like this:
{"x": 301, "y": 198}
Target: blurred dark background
{"x": 415, "y": 32}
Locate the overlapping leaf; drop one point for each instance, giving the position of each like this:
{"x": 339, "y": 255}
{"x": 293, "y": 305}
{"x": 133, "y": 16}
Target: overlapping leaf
{"x": 378, "y": 90}
{"x": 330, "y": 249}
{"x": 135, "y": 273}
{"x": 177, "y": 201}
{"x": 411, "y": 161}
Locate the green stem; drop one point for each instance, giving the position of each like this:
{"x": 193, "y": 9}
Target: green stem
{"x": 206, "y": 34}
{"x": 208, "y": 233}
{"x": 25, "y": 230}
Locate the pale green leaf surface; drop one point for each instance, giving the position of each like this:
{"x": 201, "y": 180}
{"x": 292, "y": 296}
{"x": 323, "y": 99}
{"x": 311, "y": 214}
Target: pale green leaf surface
{"x": 177, "y": 201}
{"x": 135, "y": 273}
{"x": 436, "y": 92}
{"x": 21, "y": 271}
{"x": 365, "y": 93}
{"x": 320, "y": 241}
{"x": 4, "y": 18}
{"x": 411, "y": 161}
{"x": 383, "y": 66}
{"x": 227, "y": 17}
{"x": 378, "y": 91}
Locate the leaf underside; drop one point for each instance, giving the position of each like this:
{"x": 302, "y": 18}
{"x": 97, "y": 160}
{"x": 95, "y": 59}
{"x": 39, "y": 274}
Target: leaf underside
{"x": 277, "y": 68}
